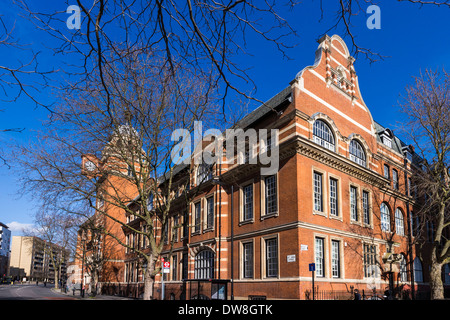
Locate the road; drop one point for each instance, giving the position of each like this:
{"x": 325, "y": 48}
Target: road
{"x": 30, "y": 292}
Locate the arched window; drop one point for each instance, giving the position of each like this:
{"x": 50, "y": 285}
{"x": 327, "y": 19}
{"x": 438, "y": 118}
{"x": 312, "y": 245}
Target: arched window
{"x": 418, "y": 275}
{"x": 399, "y": 223}
{"x": 385, "y": 217}
{"x": 357, "y": 153}
{"x": 204, "y": 265}
{"x": 403, "y": 271}
{"x": 323, "y": 135}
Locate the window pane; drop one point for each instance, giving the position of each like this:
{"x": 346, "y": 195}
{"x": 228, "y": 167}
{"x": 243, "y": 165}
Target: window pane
{"x": 357, "y": 153}
{"x": 197, "y": 217}
{"x": 318, "y": 203}
{"x": 333, "y": 197}
{"x": 204, "y": 265}
{"x": 323, "y": 135}
{"x": 395, "y": 178}
{"x": 335, "y": 259}
{"x": 271, "y": 258}
{"x": 210, "y": 212}
{"x": 248, "y": 202}
{"x": 319, "y": 257}
{"x": 385, "y": 218}
{"x": 248, "y": 260}
{"x": 271, "y": 194}
{"x": 399, "y": 225}
{"x": 354, "y": 203}
{"x": 418, "y": 275}
{"x": 386, "y": 171}
{"x": 365, "y": 201}
{"x": 370, "y": 261}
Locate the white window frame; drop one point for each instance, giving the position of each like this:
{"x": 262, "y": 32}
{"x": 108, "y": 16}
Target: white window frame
{"x": 320, "y": 256}
{"x": 399, "y": 222}
{"x": 357, "y": 153}
{"x": 324, "y": 135}
{"x": 385, "y": 218}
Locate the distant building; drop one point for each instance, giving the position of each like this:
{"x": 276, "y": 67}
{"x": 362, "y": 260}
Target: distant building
{"x": 73, "y": 275}
{"x": 5, "y": 249}
{"x": 31, "y": 259}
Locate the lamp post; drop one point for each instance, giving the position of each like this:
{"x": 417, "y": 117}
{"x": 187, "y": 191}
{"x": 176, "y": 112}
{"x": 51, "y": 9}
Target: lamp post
{"x": 83, "y": 242}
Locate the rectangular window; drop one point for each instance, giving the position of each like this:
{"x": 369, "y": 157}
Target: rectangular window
{"x": 395, "y": 178}
{"x": 335, "y": 259}
{"x": 318, "y": 195}
{"x": 175, "y": 229}
{"x": 334, "y": 197}
{"x": 174, "y": 268}
{"x": 271, "y": 194}
{"x": 247, "y": 258}
{"x": 144, "y": 237}
{"x": 386, "y": 172}
{"x": 185, "y": 224}
{"x": 370, "y": 261}
{"x": 197, "y": 217}
{"x": 409, "y": 187}
{"x": 320, "y": 257}
{"x": 248, "y": 202}
{"x": 210, "y": 212}
{"x": 185, "y": 262}
{"x": 354, "y": 203}
{"x": 166, "y": 232}
{"x": 365, "y": 203}
{"x": 271, "y": 258}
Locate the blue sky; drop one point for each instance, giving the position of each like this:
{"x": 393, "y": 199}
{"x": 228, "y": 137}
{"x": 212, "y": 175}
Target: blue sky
{"x": 414, "y": 38}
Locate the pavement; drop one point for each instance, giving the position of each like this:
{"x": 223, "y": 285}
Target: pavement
{"x": 31, "y": 291}
{"x": 87, "y": 297}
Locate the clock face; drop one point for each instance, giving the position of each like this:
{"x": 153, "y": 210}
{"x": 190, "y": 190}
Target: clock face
{"x": 89, "y": 165}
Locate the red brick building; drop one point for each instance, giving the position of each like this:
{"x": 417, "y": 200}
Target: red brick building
{"x": 341, "y": 199}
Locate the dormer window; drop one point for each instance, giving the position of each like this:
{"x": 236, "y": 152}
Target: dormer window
{"x": 386, "y": 137}
{"x": 407, "y": 152}
{"x": 323, "y": 135}
{"x": 387, "y": 141}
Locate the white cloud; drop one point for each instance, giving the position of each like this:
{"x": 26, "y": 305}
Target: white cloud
{"x": 17, "y": 227}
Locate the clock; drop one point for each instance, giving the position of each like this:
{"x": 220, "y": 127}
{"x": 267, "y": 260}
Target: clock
{"x": 89, "y": 166}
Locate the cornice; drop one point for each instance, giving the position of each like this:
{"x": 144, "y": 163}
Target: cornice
{"x": 311, "y": 150}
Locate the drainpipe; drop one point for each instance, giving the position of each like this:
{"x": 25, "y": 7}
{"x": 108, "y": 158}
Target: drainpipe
{"x": 409, "y": 219}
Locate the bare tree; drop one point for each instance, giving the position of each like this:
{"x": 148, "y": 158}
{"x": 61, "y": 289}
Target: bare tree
{"x": 56, "y": 230}
{"x": 130, "y": 146}
{"x": 426, "y": 105}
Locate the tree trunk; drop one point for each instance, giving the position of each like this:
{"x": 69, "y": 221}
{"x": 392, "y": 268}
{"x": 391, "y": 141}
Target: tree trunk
{"x": 56, "y": 279}
{"x": 94, "y": 282}
{"x": 437, "y": 287}
{"x": 149, "y": 280}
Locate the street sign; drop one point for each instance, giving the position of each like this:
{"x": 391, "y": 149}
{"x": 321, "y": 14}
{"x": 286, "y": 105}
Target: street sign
{"x": 312, "y": 267}
{"x": 291, "y": 258}
{"x": 304, "y": 247}
{"x": 166, "y": 267}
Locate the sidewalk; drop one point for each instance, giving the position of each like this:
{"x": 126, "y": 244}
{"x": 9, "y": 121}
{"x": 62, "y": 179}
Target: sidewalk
{"x": 87, "y": 297}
